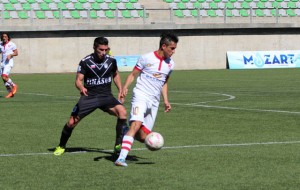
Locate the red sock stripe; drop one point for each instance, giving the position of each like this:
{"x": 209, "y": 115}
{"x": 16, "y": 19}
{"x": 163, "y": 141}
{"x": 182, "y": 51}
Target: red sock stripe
{"x": 126, "y": 148}
{"x": 127, "y": 142}
{"x": 147, "y": 131}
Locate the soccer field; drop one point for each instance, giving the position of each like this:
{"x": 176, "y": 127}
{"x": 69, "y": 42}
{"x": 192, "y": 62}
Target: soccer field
{"x": 228, "y": 129}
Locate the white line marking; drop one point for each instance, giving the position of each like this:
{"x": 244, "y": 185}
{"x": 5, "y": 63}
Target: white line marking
{"x": 171, "y": 147}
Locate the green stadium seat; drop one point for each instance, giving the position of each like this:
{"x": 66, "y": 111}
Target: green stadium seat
{"x": 93, "y": 14}
{"x": 217, "y": 1}
{"x": 133, "y": 1}
{"x": 168, "y": 1}
{"x": 82, "y": 1}
{"x": 9, "y": 7}
{"x": 232, "y": 1}
{"x": 75, "y": 14}
{"x": 248, "y": 1}
{"x": 291, "y": 5}
{"x": 229, "y": 13}
{"x": 179, "y": 13}
{"x": 13, "y": 1}
{"x": 259, "y": 13}
{"x": 194, "y": 13}
{"x": 211, "y": 13}
{"x": 112, "y": 6}
{"x": 26, "y": 6}
{"x": 56, "y": 14}
{"x": 40, "y": 14}
{"x": 109, "y": 14}
{"x": 294, "y": 1}
{"x": 264, "y": 1}
{"x": 201, "y": 1}
{"x": 44, "y": 6}
{"x": 278, "y": 0}
{"x": 126, "y": 14}
{"x": 275, "y": 4}
{"x": 100, "y": 1}
{"x": 129, "y": 6}
{"x": 261, "y": 5}
{"x": 290, "y": 12}
{"x": 185, "y": 1}
{"x": 78, "y": 6}
{"x": 48, "y": 1}
{"x": 181, "y": 5}
{"x": 142, "y": 14}
{"x": 6, "y": 15}
{"x": 245, "y": 5}
{"x": 213, "y": 5}
{"x": 65, "y": 1}
{"x": 116, "y": 1}
{"x": 229, "y": 5}
{"x": 61, "y": 6}
{"x": 31, "y": 1}
{"x": 95, "y": 6}
{"x": 244, "y": 13}
{"x": 197, "y": 5}
{"x": 23, "y": 15}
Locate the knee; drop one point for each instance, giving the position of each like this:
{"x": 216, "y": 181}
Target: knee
{"x": 73, "y": 121}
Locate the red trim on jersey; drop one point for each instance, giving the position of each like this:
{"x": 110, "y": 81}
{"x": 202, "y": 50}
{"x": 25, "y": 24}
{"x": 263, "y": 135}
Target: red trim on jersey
{"x": 160, "y": 60}
{"x": 147, "y": 131}
{"x": 135, "y": 67}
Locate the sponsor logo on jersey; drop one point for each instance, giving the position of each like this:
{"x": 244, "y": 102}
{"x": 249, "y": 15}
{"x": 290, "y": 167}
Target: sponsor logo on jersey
{"x": 157, "y": 75}
{"x": 98, "y": 81}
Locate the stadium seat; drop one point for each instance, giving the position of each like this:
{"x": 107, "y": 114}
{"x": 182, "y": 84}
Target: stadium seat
{"x": 100, "y": 1}
{"x": 40, "y": 14}
{"x": 259, "y": 13}
{"x": 229, "y": 13}
{"x": 244, "y": 12}
{"x": 82, "y": 1}
{"x": 95, "y": 6}
{"x": 211, "y": 13}
{"x": 13, "y": 1}
{"x": 53, "y": 6}
{"x": 109, "y": 14}
{"x": 264, "y": 1}
{"x": 217, "y": 1}
{"x": 120, "y": 6}
{"x": 178, "y": 13}
{"x": 220, "y": 13}
{"x": 56, "y": 14}
{"x": 78, "y": 6}
{"x": 261, "y": 5}
{"x": 44, "y": 6}
{"x": 83, "y": 14}
{"x": 229, "y": 5}
{"x": 203, "y": 13}
{"x": 168, "y": 1}
{"x": 213, "y": 5}
{"x": 181, "y": 6}
{"x": 104, "y": 6}
{"x": 197, "y": 5}
{"x": 143, "y": 14}
{"x": 116, "y": 1}
{"x": 185, "y": 1}
{"x": 6, "y": 15}
{"x": 9, "y": 7}
{"x": 17, "y": 6}
{"x": 291, "y": 5}
{"x": 101, "y": 14}
{"x": 49, "y": 14}
{"x": 65, "y": 1}
{"x": 129, "y": 6}
{"x": 48, "y": 1}
{"x": 23, "y": 14}
{"x": 290, "y": 12}
{"x": 134, "y": 14}
{"x": 93, "y": 14}
{"x": 245, "y": 5}
{"x": 31, "y": 1}
{"x": 14, "y": 14}
{"x": 112, "y": 6}
{"x": 126, "y": 14}
{"x": 133, "y": 1}
{"x": 75, "y": 14}
{"x": 61, "y": 6}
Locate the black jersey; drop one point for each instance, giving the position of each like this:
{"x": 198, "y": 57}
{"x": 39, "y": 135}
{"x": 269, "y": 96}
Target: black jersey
{"x": 98, "y": 74}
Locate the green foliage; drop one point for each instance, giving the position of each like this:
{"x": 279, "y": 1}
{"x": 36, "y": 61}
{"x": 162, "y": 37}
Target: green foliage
{"x": 228, "y": 129}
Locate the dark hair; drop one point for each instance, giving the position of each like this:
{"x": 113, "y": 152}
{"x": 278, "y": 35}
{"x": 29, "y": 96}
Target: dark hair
{"x": 100, "y": 41}
{"x": 7, "y": 36}
{"x": 167, "y": 38}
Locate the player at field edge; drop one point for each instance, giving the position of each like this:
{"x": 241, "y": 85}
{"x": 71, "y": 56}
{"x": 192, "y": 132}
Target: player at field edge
{"x": 94, "y": 77}
{"x": 8, "y": 49}
{"x": 152, "y": 71}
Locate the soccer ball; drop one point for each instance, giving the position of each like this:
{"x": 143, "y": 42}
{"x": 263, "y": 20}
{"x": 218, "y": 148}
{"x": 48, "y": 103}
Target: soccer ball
{"x": 154, "y": 141}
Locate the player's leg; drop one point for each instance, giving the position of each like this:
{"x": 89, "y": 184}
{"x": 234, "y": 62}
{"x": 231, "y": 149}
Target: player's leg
{"x": 138, "y": 109}
{"x": 9, "y": 84}
{"x": 81, "y": 109}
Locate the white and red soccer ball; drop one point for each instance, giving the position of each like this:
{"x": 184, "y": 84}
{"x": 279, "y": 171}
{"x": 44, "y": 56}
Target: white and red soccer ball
{"x": 154, "y": 141}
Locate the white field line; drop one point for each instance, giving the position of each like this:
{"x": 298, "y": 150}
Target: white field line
{"x": 170, "y": 147}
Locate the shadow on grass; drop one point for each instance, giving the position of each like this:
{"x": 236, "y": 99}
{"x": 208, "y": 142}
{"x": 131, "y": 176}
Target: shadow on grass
{"x": 111, "y": 156}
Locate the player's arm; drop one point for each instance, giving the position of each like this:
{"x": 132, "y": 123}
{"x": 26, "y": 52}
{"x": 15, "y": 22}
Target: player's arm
{"x": 118, "y": 83}
{"x": 130, "y": 78}
{"x": 79, "y": 84}
{"x": 165, "y": 97}
{"x": 15, "y": 53}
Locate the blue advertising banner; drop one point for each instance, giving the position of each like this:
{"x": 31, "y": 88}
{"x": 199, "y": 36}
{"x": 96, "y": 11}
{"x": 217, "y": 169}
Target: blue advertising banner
{"x": 263, "y": 59}
{"x": 126, "y": 62}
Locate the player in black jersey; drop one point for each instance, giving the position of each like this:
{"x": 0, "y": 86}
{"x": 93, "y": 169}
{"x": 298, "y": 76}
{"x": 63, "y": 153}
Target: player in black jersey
{"x": 94, "y": 76}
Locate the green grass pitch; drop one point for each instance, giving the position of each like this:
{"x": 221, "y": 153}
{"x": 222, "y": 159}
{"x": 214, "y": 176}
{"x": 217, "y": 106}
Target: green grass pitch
{"x": 228, "y": 129}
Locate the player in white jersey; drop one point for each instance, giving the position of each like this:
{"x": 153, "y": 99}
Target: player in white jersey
{"x": 8, "y": 49}
{"x": 153, "y": 71}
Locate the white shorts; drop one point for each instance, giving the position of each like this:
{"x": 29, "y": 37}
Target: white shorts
{"x": 6, "y": 67}
{"x": 143, "y": 109}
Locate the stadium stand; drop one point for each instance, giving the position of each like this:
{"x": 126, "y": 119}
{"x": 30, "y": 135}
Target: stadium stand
{"x": 134, "y": 9}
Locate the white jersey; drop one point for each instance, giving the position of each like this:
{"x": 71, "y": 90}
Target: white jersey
{"x": 154, "y": 73}
{"x": 6, "y": 49}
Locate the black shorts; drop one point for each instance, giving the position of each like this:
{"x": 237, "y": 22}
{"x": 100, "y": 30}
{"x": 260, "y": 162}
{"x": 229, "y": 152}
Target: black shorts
{"x": 88, "y": 104}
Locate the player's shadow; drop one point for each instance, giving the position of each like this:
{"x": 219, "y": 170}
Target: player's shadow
{"x": 111, "y": 156}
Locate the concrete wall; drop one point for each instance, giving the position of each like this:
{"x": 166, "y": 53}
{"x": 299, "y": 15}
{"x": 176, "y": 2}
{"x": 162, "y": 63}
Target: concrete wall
{"x": 61, "y": 51}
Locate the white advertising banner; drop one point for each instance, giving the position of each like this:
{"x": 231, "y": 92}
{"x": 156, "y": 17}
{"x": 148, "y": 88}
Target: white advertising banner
{"x": 263, "y": 59}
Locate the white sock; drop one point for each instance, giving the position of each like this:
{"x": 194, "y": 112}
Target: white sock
{"x": 126, "y": 146}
